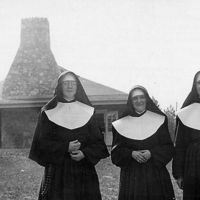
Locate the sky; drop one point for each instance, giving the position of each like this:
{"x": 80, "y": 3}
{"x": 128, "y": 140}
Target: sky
{"x": 118, "y": 43}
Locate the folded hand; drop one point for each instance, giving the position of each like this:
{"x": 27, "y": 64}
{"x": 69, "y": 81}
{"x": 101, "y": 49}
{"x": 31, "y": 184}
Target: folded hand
{"x": 146, "y": 154}
{"x": 77, "y": 155}
{"x": 141, "y": 156}
{"x": 138, "y": 156}
{"x": 74, "y": 146}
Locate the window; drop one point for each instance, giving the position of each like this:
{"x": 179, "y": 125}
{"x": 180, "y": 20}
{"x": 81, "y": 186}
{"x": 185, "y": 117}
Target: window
{"x": 111, "y": 117}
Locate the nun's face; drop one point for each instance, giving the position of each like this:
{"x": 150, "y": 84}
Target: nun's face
{"x": 197, "y": 82}
{"x": 69, "y": 86}
{"x": 139, "y": 100}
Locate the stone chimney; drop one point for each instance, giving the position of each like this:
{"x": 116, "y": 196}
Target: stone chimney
{"x": 34, "y": 71}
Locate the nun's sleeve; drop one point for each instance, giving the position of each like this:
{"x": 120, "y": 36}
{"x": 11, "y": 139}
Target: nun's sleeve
{"x": 52, "y": 151}
{"x": 121, "y": 156}
{"x": 96, "y": 149}
{"x": 34, "y": 153}
{"x": 163, "y": 151}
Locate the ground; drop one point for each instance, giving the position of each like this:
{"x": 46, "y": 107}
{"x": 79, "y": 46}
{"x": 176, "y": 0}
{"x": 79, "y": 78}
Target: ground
{"x": 20, "y": 177}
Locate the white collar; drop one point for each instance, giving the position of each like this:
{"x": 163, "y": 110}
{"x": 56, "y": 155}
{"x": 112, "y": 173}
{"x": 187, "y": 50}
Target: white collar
{"x": 139, "y": 128}
{"x": 70, "y": 115}
{"x": 190, "y": 116}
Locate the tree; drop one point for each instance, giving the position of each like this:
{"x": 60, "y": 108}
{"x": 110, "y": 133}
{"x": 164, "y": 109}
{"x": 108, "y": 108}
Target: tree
{"x": 170, "y": 112}
{"x": 171, "y": 116}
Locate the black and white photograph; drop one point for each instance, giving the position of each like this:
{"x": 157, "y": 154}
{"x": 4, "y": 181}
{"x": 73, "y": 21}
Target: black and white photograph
{"x": 99, "y": 100}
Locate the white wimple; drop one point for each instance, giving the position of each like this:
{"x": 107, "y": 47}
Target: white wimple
{"x": 190, "y": 116}
{"x": 70, "y": 115}
{"x": 139, "y": 128}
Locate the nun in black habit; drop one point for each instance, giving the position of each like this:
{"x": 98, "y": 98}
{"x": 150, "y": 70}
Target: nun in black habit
{"x": 142, "y": 147}
{"x": 68, "y": 143}
{"x": 186, "y": 162}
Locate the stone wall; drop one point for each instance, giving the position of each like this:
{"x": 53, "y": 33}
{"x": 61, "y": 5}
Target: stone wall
{"x": 17, "y": 127}
{"x": 34, "y": 71}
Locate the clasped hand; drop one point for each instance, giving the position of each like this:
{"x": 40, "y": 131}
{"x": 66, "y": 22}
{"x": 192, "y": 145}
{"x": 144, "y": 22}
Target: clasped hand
{"x": 74, "y": 146}
{"x": 141, "y": 156}
{"x": 74, "y": 151}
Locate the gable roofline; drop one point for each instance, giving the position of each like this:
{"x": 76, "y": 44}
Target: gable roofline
{"x": 97, "y": 93}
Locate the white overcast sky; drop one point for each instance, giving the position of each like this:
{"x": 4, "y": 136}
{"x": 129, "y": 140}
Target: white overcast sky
{"x": 118, "y": 43}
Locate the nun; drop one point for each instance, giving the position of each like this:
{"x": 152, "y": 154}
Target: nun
{"x": 68, "y": 143}
{"x": 142, "y": 147}
{"x": 186, "y": 162}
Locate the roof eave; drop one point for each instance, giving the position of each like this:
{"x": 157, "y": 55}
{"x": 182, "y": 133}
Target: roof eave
{"x": 34, "y": 104}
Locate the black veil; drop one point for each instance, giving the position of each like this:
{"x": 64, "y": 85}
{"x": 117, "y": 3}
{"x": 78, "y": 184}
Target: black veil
{"x": 58, "y": 97}
{"x": 151, "y": 106}
{"x": 193, "y": 95}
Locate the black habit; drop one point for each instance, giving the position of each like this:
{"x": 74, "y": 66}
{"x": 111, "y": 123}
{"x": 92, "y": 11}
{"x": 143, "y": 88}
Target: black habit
{"x": 186, "y": 162}
{"x": 150, "y": 180}
{"x": 64, "y": 178}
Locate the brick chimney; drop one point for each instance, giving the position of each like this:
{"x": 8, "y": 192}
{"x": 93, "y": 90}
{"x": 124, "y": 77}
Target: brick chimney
{"x": 34, "y": 71}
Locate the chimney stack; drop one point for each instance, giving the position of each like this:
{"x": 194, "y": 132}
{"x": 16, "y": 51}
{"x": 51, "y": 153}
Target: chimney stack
{"x": 34, "y": 71}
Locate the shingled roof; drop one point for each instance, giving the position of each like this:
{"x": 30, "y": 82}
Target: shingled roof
{"x": 101, "y": 94}
{"x": 97, "y": 93}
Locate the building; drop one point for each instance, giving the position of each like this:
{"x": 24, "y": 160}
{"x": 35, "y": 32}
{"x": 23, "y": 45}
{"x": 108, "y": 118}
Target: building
{"x": 31, "y": 82}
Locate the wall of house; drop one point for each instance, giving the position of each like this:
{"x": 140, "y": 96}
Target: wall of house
{"x": 111, "y": 111}
{"x": 115, "y": 107}
{"x": 17, "y": 127}
{"x": 33, "y": 75}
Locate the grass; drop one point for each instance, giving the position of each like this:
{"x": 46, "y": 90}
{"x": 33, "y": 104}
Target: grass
{"x": 20, "y": 177}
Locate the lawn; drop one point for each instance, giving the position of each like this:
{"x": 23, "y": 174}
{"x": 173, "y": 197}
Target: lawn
{"x": 20, "y": 177}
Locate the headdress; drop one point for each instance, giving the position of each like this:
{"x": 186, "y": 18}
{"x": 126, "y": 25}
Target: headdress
{"x": 193, "y": 95}
{"x": 58, "y": 97}
{"x": 151, "y": 106}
